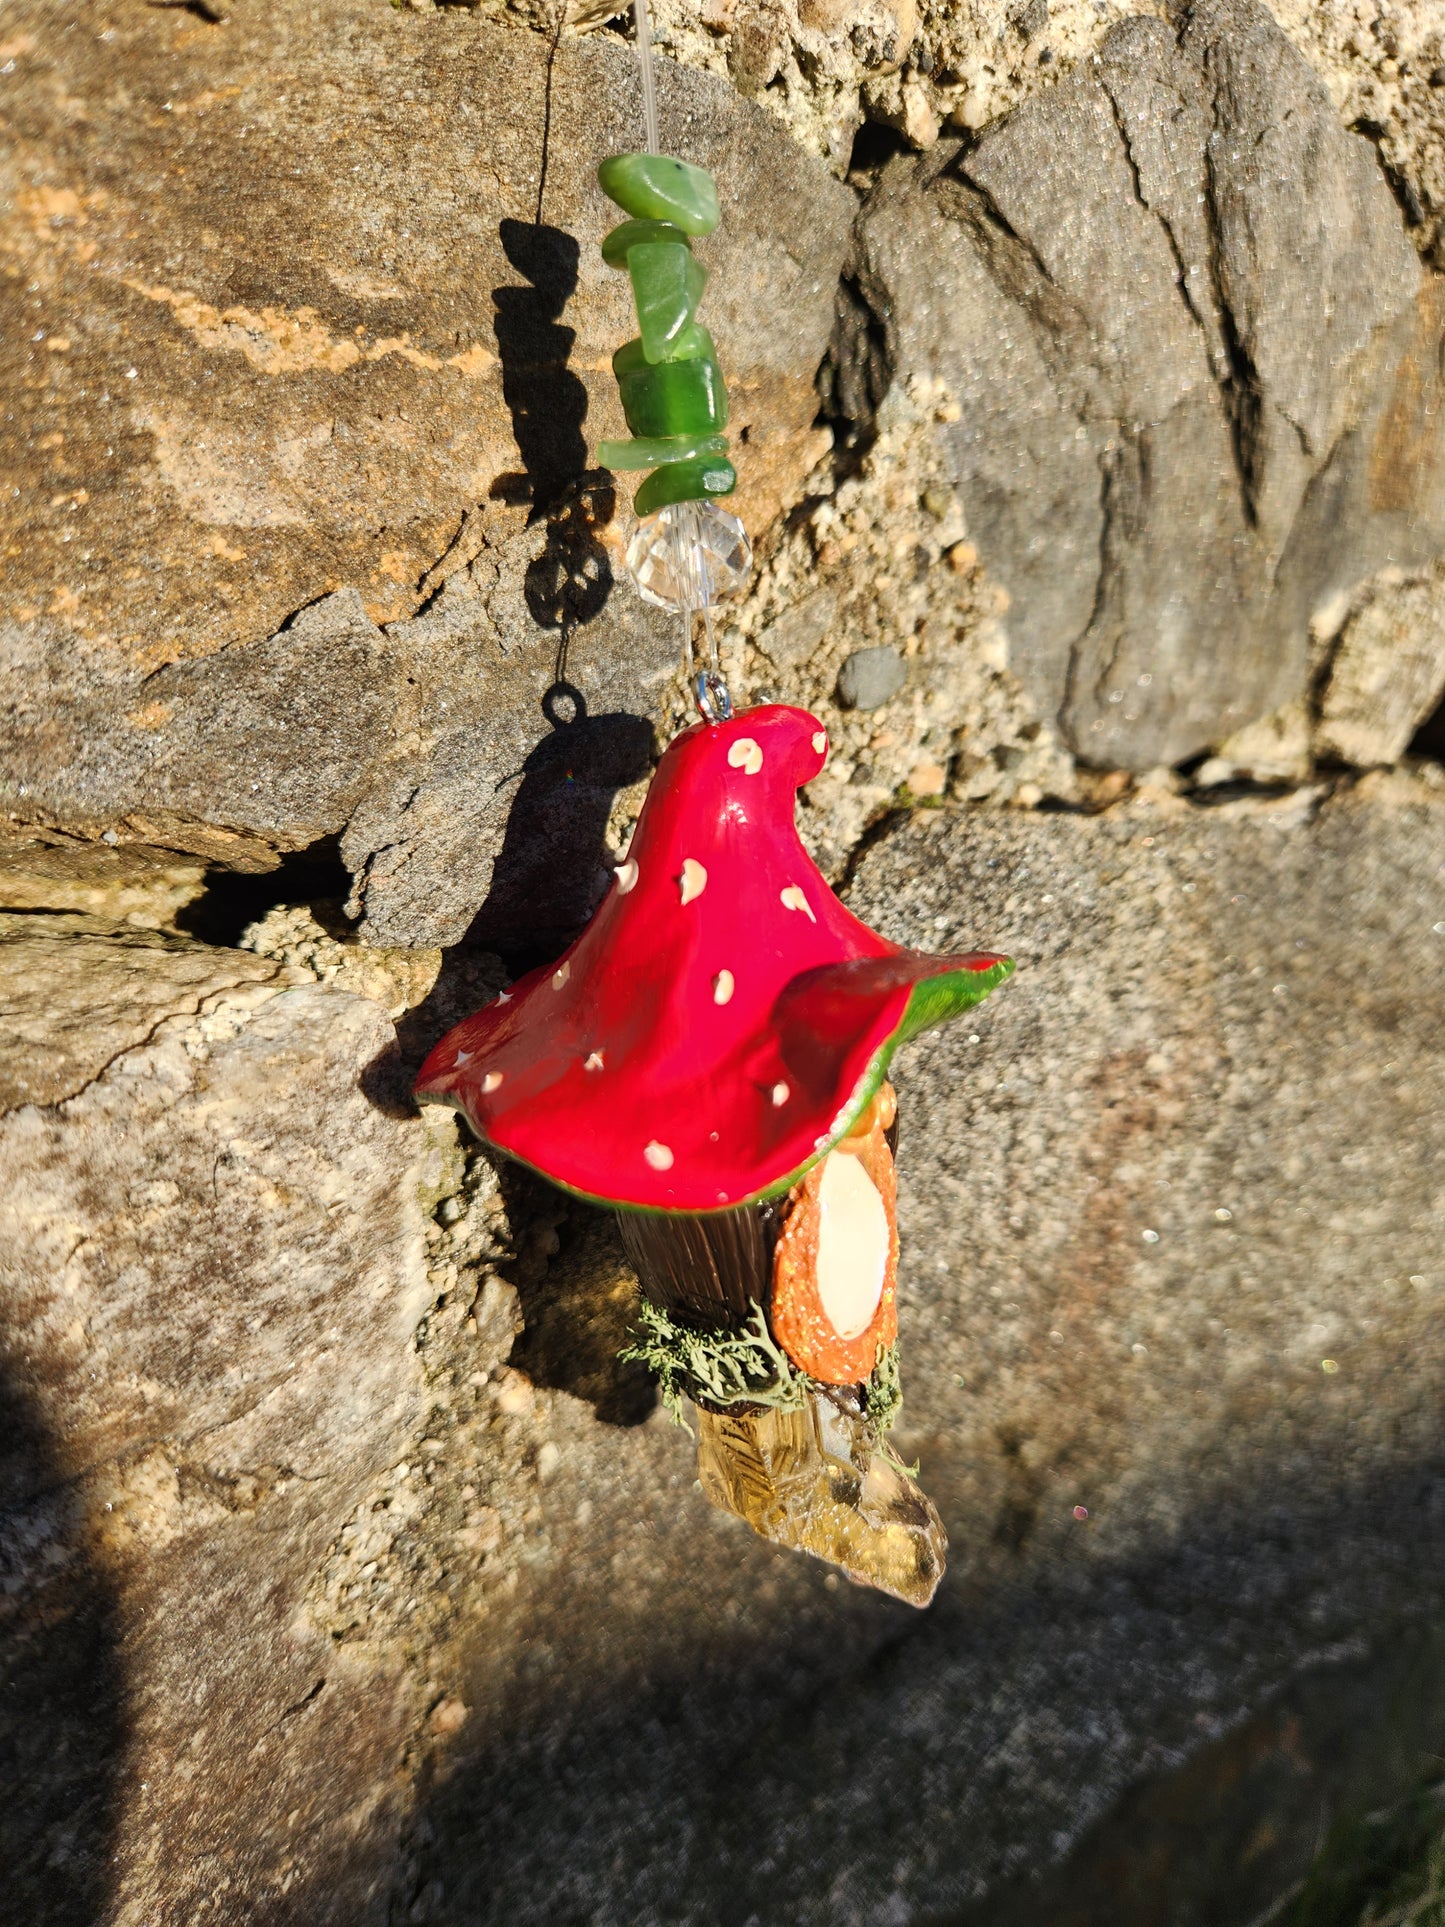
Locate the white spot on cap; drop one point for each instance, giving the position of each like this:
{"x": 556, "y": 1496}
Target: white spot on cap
{"x": 781, "y": 1093}
{"x": 464, "y": 1057}
{"x": 504, "y": 996}
{"x": 626, "y": 876}
{"x": 693, "y": 880}
{"x": 658, "y": 1156}
{"x": 559, "y": 977}
{"x": 594, "y": 1062}
{"x": 746, "y": 755}
{"x": 723, "y": 987}
{"x": 491, "y": 1082}
{"x": 793, "y": 899}
{"x": 820, "y": 741}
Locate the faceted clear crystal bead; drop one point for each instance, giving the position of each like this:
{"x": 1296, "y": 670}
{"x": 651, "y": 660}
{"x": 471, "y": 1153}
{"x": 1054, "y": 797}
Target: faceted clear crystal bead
{"x": 690, "y": 555}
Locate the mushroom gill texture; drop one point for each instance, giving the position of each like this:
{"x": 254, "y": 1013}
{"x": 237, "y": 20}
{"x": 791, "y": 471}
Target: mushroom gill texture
{"x": 835, "y": 1269}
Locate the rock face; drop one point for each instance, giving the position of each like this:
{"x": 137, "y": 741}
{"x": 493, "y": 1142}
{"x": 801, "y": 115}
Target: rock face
{"x": 1168, "y": 474}
{"x": 345, "y": 1575}
{"x": 1171, "y": 1257}
{"x": 313, "y": 1608}
{"x": 254, "y": 425}
{"x": 213, "y": 1268}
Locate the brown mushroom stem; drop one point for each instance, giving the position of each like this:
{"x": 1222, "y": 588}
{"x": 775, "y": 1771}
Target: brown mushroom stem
{"x": 708, "y": 1269}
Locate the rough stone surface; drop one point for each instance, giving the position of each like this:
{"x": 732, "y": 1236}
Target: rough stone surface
{"x": 934, "y": 67}
{"x": 213, "y": 1265}
{"x": 1386, "y": 673}
{"x": 252, "y": 424}
{"x": 1166, "y": 473}
{"x": 395, "y": 1626}
{"x": 137, "y": 885}
{"x": 78, "y": 992}
{"x": 1191, "y": 1152}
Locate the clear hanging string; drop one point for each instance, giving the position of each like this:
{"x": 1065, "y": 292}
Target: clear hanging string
{"x": 693, "y": 569}
{"x": 642, "y": 16}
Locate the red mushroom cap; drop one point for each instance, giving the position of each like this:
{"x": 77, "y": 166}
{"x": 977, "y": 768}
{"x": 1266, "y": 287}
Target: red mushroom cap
{"x": 722, "y": 1019}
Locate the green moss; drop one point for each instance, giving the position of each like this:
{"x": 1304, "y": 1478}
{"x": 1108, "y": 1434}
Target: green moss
{"x": 744, "y": 1366}
{"x": 729, "y": 1367}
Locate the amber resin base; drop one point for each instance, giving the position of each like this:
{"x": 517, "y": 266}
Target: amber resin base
{"x": 815, "y": 1480}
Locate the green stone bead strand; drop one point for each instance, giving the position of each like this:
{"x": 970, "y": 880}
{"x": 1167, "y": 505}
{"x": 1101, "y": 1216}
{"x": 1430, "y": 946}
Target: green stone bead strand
{"x": 650, "y": 451}
{"x": 676, "y": 398}
{"x": 618, "y": 240}
{"x": 695, "y": 481}
{"x": 691, "y": 345}
{"x": 667, "y": 284}
{"x": 655, "y": 187}
{"x": 673, "y": 395}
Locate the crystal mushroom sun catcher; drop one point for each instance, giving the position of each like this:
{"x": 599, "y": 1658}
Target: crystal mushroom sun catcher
{"x": 710, "y": 1056}
{"x": 710, "y": 1059}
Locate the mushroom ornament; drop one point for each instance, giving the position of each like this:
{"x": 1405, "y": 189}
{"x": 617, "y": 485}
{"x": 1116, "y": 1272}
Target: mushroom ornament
{"x": 710, "y": 1059}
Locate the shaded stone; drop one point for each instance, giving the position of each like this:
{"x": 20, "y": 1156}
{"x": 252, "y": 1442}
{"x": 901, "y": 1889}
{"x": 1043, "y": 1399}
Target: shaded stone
{"x": 1168, "y": 1061}
{"x": 213, "y": 1266}
{"x": 870, "y": 677}
{"x": 490, "y": 825}
{"x": 1165, "y": 471}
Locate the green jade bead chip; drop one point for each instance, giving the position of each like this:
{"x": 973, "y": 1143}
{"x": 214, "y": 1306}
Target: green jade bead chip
{"x": 654, "y": 187}
{"x": 667, "y": 284}
{"x": 675, "y": 398}
{"x": 648, "y": 452}
{"x": 617, "y": 241}
{"x": 693, "y": 343}
{"x": 692, "y": 481}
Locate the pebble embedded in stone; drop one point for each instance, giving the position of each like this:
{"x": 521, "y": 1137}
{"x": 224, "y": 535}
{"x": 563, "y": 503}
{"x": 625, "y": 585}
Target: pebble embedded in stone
{"x": 693, "y": 880}
{"x": 871, "y": 677}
